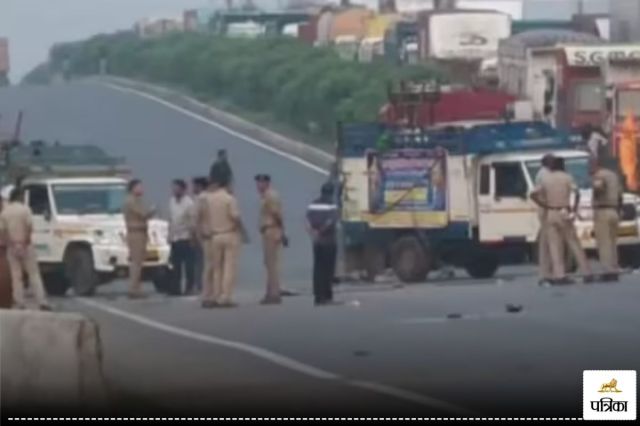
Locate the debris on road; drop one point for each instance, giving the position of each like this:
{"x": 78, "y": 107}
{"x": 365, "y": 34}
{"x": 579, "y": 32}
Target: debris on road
{"x": 513, "y": 308}
{"x": 454, "y": 316}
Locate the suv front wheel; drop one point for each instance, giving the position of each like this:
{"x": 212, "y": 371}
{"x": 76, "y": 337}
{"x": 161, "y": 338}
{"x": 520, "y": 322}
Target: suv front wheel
{"x": 80, "y": 272}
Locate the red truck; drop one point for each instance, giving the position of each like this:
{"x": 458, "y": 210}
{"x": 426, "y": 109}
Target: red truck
{"x": 424, "y": 105}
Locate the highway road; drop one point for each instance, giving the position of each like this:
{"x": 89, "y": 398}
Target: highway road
{"x": 387, "y": 351}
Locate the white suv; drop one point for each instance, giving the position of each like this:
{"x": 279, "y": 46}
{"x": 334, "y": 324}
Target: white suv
{"x": 80, "y": 235}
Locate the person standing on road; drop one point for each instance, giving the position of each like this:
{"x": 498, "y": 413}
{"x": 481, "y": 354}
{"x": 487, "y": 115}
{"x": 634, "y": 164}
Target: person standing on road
{"x": 136, "y": 217}
{"x": 198, "y": 186}
{"x": 221, "y": 171}
{"x": 607, "y": 203}
{"x": 554, "y": 195}
{"x": 181, "y": 211}
{"x": 16, "y": 228}
{"x": 544, "y": 261}
{"x": 273, "y": 236}
{"x": 225, "y": 225}
{"x": 322, "y": 220}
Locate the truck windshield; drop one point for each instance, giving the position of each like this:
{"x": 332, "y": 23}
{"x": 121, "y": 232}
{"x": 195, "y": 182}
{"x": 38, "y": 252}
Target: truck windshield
{"x": 577, "y": 167}
{"x": 628, "y": 101}
{"x": 89, "y": 199}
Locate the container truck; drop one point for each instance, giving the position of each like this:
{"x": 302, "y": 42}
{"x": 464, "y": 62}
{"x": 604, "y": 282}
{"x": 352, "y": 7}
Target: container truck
{"x": 4, "y": 61}
{"x": 413, "y": 199}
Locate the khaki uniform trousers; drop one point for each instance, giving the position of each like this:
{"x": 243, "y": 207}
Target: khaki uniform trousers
{"x": 207, "y": 270}
{"x": 225, "y": 253}
{"x": 544, "y": 258}
{"x": 606, "y": 229}
{"x": 137, "y": 242}
{"x": 561, "y": 233}
{"x": 272, "y": 250}
{"x": 18, "y": 265}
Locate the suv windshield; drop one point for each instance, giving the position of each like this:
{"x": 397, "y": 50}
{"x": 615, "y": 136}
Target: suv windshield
{"x": 89, "y": 199}
{"x": 578, "y": 167}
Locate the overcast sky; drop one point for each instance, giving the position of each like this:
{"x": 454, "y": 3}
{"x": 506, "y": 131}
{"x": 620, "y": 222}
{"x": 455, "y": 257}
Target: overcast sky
{"x": 34, "y": 25}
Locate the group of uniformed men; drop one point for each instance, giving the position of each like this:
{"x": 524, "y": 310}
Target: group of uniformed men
{"x": 210, "y": 226}
{"x": 554, "y": 190}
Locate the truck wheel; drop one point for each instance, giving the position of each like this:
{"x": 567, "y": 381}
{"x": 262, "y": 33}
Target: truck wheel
{"x": 373, "y": 261}
{"x": 161, "y": 280}
{"x": 79, "y": 271}
{"x": 481, "y": 264}
{"x": 55, "y": 284}
{"x": 410, "y": 260}
{"x": 630, "y": 257}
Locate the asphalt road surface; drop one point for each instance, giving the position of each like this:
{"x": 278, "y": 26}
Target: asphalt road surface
{"x": 387, "y": 351}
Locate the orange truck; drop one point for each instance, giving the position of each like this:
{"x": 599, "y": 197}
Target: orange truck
{"x": 4, "y": 61}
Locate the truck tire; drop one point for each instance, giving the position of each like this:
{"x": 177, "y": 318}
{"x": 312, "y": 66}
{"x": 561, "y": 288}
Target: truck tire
{"x": 55, "y": 284}
{"x": 373, "y": 262}
{"x": 79, "y": 271}
{"x": 161, "y": 279}
{"x": 410, "y": 260}
{"x": 481, "y": 264}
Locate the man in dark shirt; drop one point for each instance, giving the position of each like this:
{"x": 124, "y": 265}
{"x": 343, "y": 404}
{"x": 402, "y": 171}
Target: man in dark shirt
{"x": 221, "y": 170}
{"x": 322, "y": 219}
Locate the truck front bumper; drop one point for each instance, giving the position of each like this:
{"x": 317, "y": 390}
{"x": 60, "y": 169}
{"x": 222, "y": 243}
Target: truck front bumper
{"x": 113, "y": 259}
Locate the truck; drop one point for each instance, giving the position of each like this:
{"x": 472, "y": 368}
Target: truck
{"x": 76, "y": 194}
{"x": 424, "y": 104}
{"x": 564, "y": 76}
{"x": 414, "y": 199}
{"x": 4, "y": 61}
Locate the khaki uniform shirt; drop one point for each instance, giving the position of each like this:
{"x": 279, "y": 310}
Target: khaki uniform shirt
{"x": 555, "y": 188}
{"x": 16, "y": 223}
{"x": 607, "y": 189}
{"x": 222, "y": 213}
{"x": 270, "y": 211}
{"x": 136, "y": 214}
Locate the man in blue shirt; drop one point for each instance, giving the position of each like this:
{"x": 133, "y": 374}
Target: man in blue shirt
{"x": 322, "y": 220}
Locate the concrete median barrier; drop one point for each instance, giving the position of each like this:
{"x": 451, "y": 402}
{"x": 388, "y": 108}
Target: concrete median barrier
{"x": 50, "y": 361}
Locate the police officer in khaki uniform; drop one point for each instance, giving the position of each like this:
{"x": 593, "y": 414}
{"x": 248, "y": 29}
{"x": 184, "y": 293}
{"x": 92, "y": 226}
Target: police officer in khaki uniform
{"x": 544, "y": 261}
{"x": 16, "y": 227}
{"x": 271, "y": 228}
{"x": 554, "y": 195}
{"x": 203, "y": 233}
{"x": 607, "y": 201}
{"x": 226, "y": 230}
{"x": 136, "y": 216}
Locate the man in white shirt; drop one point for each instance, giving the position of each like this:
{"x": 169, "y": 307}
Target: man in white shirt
{"x": 181, "y": 238}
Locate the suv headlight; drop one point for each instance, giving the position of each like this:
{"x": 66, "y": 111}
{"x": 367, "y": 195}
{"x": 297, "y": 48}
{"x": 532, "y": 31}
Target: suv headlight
{"x": 106, "y": 237}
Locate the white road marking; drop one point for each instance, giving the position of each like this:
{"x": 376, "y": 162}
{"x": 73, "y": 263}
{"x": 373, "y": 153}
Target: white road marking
{"x": 219, "y": 126}
{"x": 281, "y": 360}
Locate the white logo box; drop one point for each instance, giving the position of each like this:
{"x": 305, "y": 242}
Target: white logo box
{"x": 609, "y": 395}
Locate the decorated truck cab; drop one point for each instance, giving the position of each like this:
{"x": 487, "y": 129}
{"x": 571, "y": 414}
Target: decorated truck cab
{"x": 414, "y": 199}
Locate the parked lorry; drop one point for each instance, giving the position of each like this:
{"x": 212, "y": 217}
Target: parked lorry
{"x": 76, "y": 194}
{"x": 4, "y": 61}
{"x": 413, "y": 199}
{"x": 423, "y": 104}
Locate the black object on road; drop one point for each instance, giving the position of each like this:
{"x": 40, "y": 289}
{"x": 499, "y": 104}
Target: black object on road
{"x": 513, "y": 309}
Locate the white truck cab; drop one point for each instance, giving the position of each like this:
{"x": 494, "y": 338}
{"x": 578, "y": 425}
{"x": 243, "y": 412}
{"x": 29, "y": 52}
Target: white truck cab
{"x": 80, "y": 234}
{"x": 506, "y": 213}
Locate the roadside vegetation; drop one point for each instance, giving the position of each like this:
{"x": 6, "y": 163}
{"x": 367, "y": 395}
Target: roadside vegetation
{"x": 283, "y": 81}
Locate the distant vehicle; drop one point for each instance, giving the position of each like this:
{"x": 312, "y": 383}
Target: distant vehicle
{"x": 76, "y": 194}
{"x": 347, "y": 47}
{"x": 5, "y": 66}
{"x": 414, "y": 199}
